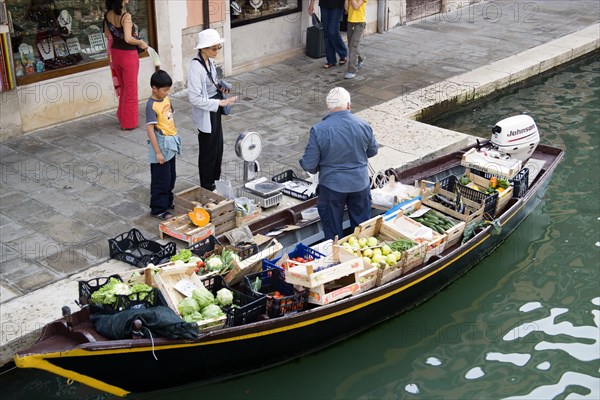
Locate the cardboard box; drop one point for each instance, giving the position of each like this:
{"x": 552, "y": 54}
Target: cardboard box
{"x": 220, "y": 208}
{"x": 334, "y": 290}
{"x": 495, "y": 166}
{"x": 183, "y": 229}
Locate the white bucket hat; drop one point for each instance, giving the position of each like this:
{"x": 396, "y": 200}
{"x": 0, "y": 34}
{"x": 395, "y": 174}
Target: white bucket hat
{"x": 208, "y": 38}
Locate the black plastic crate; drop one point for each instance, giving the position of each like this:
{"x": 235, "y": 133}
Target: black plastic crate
{"x": 273, "y": 280}
{"x": 123, "y": 302}
{"x": 520, "y": 181}
{"x": 451, "y": 184}
{"x": 202, "y": 247}
{"x": 132, "y": 248}
{"x": 297, "y": 193}
{"x": 245, "y": 308}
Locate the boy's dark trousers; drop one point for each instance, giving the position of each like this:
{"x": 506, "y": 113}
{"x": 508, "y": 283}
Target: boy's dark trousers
{"x": 162, "y": 182}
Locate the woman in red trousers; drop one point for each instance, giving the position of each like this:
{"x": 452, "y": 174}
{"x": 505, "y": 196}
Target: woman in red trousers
{"x": 118, "y": 23}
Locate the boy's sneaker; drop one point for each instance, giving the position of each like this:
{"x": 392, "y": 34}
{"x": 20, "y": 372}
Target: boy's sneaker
{"x": 360, "y": 62}
{"x": 349, "y": 75}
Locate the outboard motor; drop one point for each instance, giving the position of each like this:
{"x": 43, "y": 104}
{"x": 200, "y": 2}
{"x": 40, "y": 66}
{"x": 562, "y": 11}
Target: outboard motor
{"x": 516, "y": 137}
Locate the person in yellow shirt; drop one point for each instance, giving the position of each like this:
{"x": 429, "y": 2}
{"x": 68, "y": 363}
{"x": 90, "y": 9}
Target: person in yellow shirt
{"x": 163, "y": 145}
{"x": 357, "y": 20}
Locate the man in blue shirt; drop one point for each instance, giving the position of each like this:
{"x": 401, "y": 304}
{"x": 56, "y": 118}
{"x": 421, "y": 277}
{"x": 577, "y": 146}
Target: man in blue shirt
{"x": 338, "y": 148}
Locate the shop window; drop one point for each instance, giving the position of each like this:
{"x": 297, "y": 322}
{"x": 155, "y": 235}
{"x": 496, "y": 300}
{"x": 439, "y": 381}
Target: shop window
{"x": 245, "y": 12}
{"x": 53, "y": 38}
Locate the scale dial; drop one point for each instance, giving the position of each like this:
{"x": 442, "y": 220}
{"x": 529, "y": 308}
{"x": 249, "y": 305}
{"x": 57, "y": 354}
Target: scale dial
{"x": 248, "y": 146}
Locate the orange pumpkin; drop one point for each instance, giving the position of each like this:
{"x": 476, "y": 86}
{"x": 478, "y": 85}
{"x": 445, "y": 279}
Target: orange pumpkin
{"x": 199, "y": 217}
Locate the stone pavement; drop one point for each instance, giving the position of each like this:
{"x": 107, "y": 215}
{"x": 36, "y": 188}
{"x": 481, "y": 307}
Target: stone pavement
{"x": 66, "y": 190}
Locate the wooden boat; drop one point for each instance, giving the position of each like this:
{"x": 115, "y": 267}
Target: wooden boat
{"x": 80, "y": 354}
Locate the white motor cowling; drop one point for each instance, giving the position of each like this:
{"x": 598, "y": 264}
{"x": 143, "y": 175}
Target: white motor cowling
{"x": 517, "y": 136}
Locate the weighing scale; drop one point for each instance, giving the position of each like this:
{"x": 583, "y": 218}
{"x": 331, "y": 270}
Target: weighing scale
{"x": 264, "y": 192}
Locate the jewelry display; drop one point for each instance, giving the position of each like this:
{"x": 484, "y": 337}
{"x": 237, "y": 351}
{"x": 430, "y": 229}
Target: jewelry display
{"x": 46, "y": 49}
{"x": 73, "y": 46}
{"x": 65, "y": 20}
{"x": 256, "y": 4}
{"x": 60, "y": 47}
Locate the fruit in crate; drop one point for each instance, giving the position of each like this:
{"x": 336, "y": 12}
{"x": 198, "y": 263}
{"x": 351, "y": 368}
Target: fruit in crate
{"x": 199, "y": 217}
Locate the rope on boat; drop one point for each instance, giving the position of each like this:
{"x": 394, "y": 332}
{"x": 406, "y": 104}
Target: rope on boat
{"x": 152, "y": 340}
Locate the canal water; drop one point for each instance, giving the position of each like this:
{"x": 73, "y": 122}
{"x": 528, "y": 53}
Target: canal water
{"x": 523, "y": 324}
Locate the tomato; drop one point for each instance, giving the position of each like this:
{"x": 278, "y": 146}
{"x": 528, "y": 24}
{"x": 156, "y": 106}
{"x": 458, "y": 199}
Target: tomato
{"x": 196, "y": 270}
{"x": 200, "y": 264}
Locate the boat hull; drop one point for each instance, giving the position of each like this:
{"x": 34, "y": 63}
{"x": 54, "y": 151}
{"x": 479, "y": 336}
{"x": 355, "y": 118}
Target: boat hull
{"x": 108, "y": 366}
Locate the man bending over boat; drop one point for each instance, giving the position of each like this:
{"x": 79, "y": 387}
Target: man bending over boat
{"x": 338, "y": 148}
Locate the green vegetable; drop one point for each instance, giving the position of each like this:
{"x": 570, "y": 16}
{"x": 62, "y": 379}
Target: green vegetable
{"x": 203, "y": 297}
{"x": 402, "y": 245}
{"x": 183, "y": 255}
{"x": 107, "y": 294}
{"x": 214, "y": 263}
{"x": 224, "y": 297}
{"x": 464, "y": 180}
{"x": 141, "y": 289}
{"x": 188, "y": 306}
{"x": 212, "y": 311}
{"x": 193, "y": 317}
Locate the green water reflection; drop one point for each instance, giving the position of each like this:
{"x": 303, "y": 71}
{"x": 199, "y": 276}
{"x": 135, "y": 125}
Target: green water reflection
{"x": 522, "y": 324}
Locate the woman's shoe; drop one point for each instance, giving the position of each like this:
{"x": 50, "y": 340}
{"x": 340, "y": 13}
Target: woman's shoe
{"x": 327, "y": 66}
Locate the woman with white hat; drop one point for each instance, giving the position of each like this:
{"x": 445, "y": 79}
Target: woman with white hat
{"x": 205, "y": 95}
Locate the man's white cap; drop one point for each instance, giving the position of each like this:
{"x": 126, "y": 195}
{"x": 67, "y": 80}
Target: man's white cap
{"x": 208, "y": 38}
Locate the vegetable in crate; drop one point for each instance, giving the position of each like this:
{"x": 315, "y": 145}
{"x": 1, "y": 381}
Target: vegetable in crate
{"x": 203, "y": 297}
{"x": 224, "y": 297}
{"x": 183, "y": 255}
{"x": 212, "y": 311}
{"x": 107, "y": 294}
{"x": 188, "y": 306}
{"x": 140, "y": 288}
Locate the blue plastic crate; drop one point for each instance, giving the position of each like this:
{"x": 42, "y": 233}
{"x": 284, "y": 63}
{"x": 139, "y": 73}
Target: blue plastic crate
{"x": 301, "y": 250}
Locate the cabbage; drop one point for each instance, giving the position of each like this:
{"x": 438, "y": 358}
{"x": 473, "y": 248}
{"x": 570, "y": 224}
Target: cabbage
{"x": 193, "y": 317}
{"x": 211, "y": 311}
{"x": 224, "y": 297}
{"x": 183, "y": 255}
{"x": 188, "y": 306}
{"x": 203, "y": 297}
{"x": 214, "y": 263}
{"x": 107, "y": 294}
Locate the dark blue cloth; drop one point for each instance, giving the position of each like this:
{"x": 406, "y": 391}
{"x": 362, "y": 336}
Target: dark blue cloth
{"x": 331, "y": 209}
{"x": 338, "y": 148}
{"x": 330, "y": 19}
{"x": 162, "y": 183}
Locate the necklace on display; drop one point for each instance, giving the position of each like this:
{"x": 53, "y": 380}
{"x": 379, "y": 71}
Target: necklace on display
{"x": 46, "y": 50}
{"x": 256, "y": 4}
{"x": 65, "y": 20}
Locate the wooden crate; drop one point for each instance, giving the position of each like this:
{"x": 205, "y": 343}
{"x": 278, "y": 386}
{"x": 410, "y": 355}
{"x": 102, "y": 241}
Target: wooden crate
{"x": 473, "y": 211}
{"x": 183, "y": 229}
{"x": 375, "y": 227}
{"x": 169, "y": 276}
{"x": 368, "y": 278}
{"x": 220, "y": 208}
{"x": 323, "y": 270}
{"x": 253, "y": 263}
{"x": 389, "y": 273}
{"x": 334, "y": 290}
{"x": 410, "y": 228}
{"x": 241, "y": 220}
{"x": 455, "y": 233}
{"x": 503, "y": 196}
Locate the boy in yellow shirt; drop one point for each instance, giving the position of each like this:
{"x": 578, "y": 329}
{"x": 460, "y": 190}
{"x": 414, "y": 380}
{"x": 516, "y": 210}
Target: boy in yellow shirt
{"x": 163, "y": 145}
{"x": 357, "y": 20}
